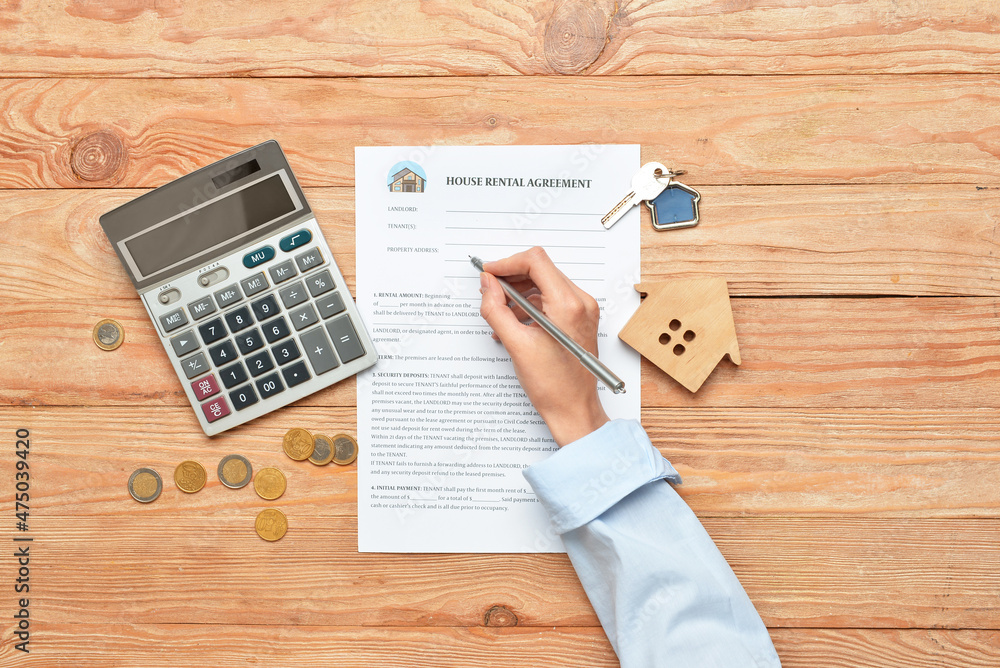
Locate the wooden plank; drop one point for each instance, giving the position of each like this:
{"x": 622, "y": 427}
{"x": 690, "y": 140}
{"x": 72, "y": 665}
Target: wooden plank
{"x": 723, "y": 130}
{"x": 187, "y": 568}
{"x": 735, "y": 462}
{"x": 798, "y": 353}
{"x": 767, "y": 241}
{"x": 167, "y": 645}
{"x": 313, "y": 38}
{"x": 220, "y": 646}
{"x": 906, "y": 648}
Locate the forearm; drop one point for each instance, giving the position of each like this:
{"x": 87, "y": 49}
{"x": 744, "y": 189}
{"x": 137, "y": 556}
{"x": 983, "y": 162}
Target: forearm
{"x": 663, "y": 592}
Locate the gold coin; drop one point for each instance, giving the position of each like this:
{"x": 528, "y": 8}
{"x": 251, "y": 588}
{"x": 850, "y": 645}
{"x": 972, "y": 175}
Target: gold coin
{"x": 145, "y": 485}
{"x": 322, "y": 450}
{"x": 271, "y": 524}
{"x": 269, "y": 483}
{"x": 298, "y": 444}
{"x": 345, "y": 449}
{"x": 190, "y": 476}
{"x": 108, "y": 334}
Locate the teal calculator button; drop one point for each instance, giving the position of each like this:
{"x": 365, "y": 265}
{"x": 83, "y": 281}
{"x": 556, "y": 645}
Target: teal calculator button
{"x": 259, "y": 256}
{"x": 293, "y": 241}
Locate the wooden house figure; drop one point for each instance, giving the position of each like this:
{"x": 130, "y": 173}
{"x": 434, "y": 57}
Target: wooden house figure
{"x": 407, "y": 181}
{"x": 685, "y": 327}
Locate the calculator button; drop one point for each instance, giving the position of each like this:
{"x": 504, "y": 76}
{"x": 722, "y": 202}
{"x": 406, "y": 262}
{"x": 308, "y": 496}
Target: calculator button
{"x": 184, "y": 343}
{"x": 173, "y": 320}
{"x": 285, "y": 352}
{"x": 195, "y": 365}
{"x": 259, "y": 364}
{"x": 265, "y": 308}
{"x": 330, "y": 305}
{"x": 295, "y": 374}
{"x": 229, "y": 295}
{"x": 259, "y": 256}
{"x": 205, "y": 387}
{"x": 215, "y": 409}
{"x": 345, "y": 338}
{"x": 319, "y": 351}
{"x": 254, "y": 284}
{"x": 202, "y": 307}
{"x": 249, "y": 341}
{"x": 293, "y": 295}
{"x": 212, "y": 331}
{"x": 239, "y": 319}
{"x": 276, "y": 329}
{"x": 303, "y": 317}
{"x": 293, "y": 241}
{"x": 320, "y": 283}
{"x": 282, "y": 272}
{"x": 311, "y": 258}
{"x": 233, "y": 375}
{"x": 268, "y": 386}
{"x": 222, "y": 354}
{"x": 243, "y": 397}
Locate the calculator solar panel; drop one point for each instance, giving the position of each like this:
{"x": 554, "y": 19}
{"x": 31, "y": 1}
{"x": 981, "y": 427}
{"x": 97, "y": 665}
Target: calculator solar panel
{"x": 241, "y": 286}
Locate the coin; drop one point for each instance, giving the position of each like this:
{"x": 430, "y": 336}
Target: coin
{"x": 322, "y": 450}
{"x": 235, "y": 471}
{"x": 345, "y": 449}
{"x": 108, "y": 334}
{"x": 271, "y": 524}
{"x": 269, "y": 483}
{"x": 298, "y": 444}
{"x": 145, "y": 485}
{"x": 190, "y": 476}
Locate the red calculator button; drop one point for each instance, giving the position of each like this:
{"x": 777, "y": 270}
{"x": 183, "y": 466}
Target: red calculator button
{"x": 215, "y": 409}
{"x": 205, "y": 387}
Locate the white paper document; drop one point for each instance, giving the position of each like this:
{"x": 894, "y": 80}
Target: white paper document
{"x": 444, "y": 427}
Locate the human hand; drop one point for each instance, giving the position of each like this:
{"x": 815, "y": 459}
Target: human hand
{"x": 563, "y": 391}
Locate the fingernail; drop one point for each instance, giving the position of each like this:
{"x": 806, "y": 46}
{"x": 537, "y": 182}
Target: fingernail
{"x": 484, "y": 283}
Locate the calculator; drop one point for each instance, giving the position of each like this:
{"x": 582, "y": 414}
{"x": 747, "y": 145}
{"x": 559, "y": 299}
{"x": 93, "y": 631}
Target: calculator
{"x": 241, "y": 287}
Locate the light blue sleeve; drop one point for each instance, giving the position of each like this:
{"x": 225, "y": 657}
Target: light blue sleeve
{"x": 664, "y": 593}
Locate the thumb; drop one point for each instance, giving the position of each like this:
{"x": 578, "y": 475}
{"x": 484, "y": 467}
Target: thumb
{"x": 494, "y": 309}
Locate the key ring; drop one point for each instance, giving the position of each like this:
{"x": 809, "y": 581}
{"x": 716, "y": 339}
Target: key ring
{"x": 659, "y": 175}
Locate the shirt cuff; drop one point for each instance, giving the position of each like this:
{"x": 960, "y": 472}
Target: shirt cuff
{"x": 586, "y": 477}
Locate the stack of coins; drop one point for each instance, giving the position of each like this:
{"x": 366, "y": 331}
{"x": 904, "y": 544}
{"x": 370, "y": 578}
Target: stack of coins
{"x": 319, "y": 449}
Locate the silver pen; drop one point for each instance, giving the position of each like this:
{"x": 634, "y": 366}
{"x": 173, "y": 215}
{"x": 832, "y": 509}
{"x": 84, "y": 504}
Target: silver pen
{"x": 589, "y": 361}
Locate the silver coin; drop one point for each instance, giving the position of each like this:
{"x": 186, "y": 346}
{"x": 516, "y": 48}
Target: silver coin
{"x": 145, "y": 485}
{"x": 108, "y": 334}
{"x": 235, "y": 471}
{"x": 322, "y": 450}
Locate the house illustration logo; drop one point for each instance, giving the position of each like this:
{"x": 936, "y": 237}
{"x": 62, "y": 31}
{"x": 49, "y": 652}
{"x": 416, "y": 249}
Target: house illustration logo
{"x": 407, "y": 177}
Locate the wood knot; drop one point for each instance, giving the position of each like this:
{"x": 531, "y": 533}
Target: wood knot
{"x": 575, "y": 36}
{"x": 99, "y": 156}
{"x": 499, "y": 615}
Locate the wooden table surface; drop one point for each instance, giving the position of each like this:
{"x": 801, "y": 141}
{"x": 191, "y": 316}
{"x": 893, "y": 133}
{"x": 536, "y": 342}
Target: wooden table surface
{"x": 847, "y": 155}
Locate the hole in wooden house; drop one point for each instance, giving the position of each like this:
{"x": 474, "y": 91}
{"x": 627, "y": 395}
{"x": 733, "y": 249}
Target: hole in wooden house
{"x": 675, "y": 324}
{"x": 678, "y": 349}
{"x": 664, "y": 338}
{"x": 689, "y": 335}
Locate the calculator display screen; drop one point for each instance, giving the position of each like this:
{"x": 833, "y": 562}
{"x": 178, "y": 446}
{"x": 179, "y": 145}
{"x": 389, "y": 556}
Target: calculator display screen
{"x": 211, "y": 225}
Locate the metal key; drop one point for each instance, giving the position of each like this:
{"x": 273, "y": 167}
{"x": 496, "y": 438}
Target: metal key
{"x": 645, "y": 186}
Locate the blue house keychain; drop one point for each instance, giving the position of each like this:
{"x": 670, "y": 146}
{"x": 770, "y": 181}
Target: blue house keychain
{"x": 676, "y": 206}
